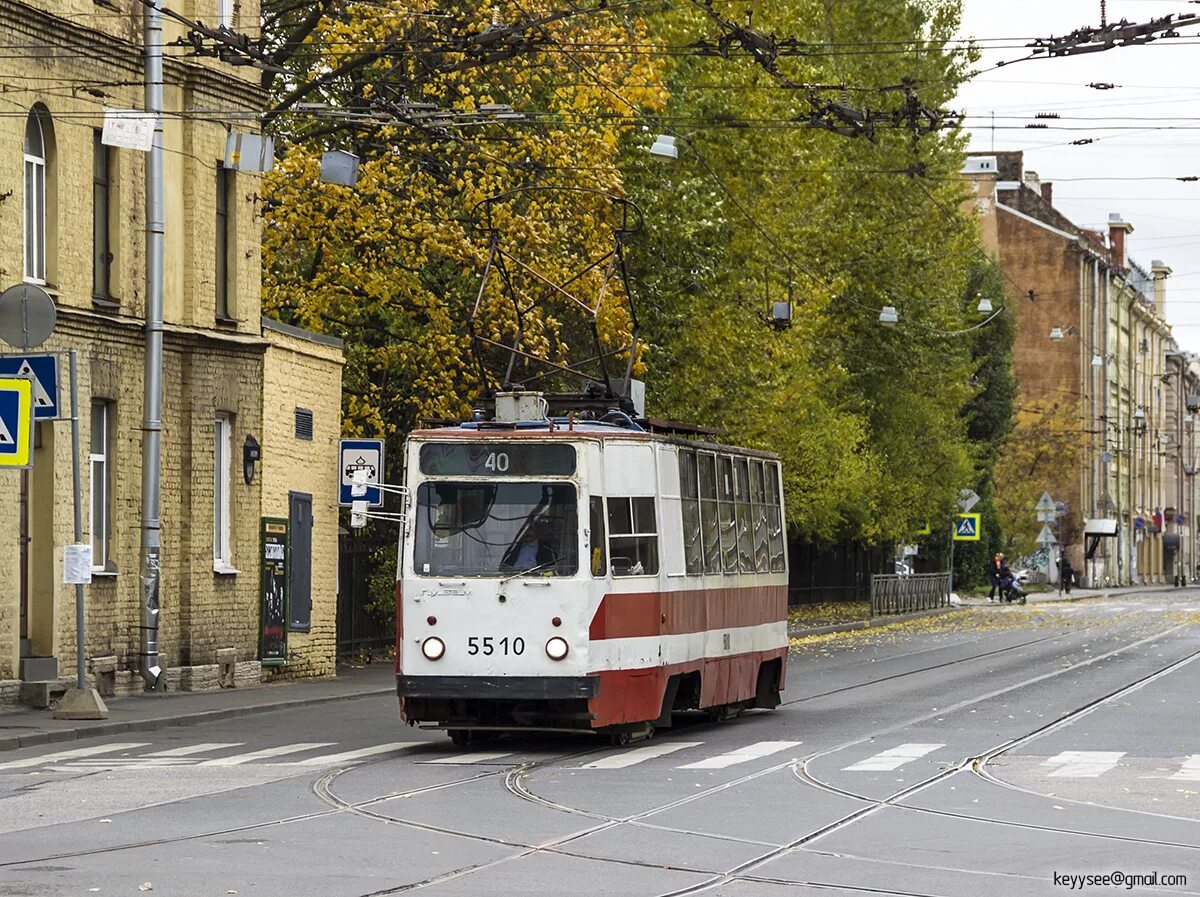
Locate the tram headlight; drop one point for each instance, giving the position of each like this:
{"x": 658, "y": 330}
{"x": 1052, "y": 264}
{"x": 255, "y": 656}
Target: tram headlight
{"x": 433, "y": 648}
{"x": 557, "y": 648}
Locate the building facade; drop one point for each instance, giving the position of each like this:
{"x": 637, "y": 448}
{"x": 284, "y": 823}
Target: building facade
{"x": 1093, "y": 359}
{"x": 72, "y": 220}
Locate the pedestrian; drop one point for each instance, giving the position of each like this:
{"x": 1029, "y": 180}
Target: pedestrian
{"x": 994, "y": 568}
{"x": 1066, "y": 573}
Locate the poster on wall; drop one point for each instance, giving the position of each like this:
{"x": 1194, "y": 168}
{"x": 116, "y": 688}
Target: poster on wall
{"x": 272, "y": 640}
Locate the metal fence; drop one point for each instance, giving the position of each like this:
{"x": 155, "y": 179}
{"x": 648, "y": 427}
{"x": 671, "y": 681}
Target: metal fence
{"x": 362, "y": 634}
{"x": 893, "y": 594}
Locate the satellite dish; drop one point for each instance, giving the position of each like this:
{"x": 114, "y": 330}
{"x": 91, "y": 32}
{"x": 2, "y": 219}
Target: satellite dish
{"x": 27, "y": 316}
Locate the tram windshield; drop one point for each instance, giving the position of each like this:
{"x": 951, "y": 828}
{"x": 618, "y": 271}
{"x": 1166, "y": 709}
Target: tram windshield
{"x": 496, "y": 529}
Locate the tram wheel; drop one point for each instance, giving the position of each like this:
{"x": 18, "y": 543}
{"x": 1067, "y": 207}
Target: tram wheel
{"x": 459, "y": 737}
{"x": 620, "y": 739}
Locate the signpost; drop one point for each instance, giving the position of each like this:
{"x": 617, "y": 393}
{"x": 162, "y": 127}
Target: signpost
{"x": 273, "y": 593}
{"x": 363, "y": 456}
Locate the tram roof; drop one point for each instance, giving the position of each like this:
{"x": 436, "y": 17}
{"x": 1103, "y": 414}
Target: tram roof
{"x": 588, "y": 429}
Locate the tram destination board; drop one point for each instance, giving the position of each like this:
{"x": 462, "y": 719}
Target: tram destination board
{"x": 497, "y": 459}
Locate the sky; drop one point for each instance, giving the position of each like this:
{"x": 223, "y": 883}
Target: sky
{"x": 1146, "y": 129}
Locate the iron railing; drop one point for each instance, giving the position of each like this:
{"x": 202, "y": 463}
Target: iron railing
{"x": 904, "y": 594}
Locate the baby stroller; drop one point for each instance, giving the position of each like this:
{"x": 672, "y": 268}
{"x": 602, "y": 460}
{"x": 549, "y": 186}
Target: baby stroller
{"x": 1010, "y": 589}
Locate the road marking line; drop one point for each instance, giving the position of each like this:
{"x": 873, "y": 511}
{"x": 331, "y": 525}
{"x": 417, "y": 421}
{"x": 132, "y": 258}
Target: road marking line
{"x": 131, "y": 763}
{"x": 458, "y": 759}
{"x": 639, "y": 755}
{"x": 361, "y": 753}
{"x": 71, "y": 754}
{"x": 1190, "y": 771}
{"x": 190, "y": 749}
{"x": 267, "y": 753}
{"x": 750, "y": 752}
{"x": 1082, "y": 764}
{"x": 893, "y": 758}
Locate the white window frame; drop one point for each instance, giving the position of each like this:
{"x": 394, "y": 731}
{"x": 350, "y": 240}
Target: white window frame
{"x": 98, "y": 518}
{"x": 35, "y": 181}
{"x": 222, "y": 483}
{"x": 225, "y": 10}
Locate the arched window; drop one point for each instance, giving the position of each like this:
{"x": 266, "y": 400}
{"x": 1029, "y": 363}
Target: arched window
{"x": 35, "y": 197}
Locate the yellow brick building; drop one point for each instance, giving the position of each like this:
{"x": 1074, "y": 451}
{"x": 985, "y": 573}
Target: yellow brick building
{"x": 72, "y": 219}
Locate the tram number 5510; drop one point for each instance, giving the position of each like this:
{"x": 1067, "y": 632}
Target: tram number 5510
{"x": 496, "y": 462}
{"x": 487, "y": 645}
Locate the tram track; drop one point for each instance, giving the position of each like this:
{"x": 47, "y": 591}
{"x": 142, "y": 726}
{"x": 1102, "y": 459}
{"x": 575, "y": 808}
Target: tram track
{"x": 513, "y": 779}
{"x": 737, "y": 873}
{"x": 560, "y": 846}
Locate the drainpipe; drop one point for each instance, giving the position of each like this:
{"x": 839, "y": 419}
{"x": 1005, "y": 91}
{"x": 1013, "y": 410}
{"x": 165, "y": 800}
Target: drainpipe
{"x": 151, "y": 570}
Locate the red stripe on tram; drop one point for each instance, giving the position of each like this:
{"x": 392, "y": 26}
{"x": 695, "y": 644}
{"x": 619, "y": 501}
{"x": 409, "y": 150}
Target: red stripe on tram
{"x": 641, "y": 614}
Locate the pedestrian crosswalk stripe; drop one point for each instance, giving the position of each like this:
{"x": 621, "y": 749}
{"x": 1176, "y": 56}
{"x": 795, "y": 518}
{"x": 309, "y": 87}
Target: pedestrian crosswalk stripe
{"x": 1190, "y": 771}
{"x": 893, "y": 758}
{"x": 361, "y": 753}
{"x": 268, "y": 753}
{"x": 1083, "y": 764}
{"x": 744, "y": 755}
{"x": 190, "y": 749}
{"x": 640, "y": 755}
{"x": 458, "y": 759}
{"x": 57, "y": 756}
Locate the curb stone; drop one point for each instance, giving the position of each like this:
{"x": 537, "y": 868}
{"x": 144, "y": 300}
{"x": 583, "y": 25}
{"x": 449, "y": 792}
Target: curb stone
{"x": 872, "y": 623}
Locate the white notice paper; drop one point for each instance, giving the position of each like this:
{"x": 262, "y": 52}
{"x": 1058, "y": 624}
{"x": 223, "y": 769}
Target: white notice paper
{"x": 77, "y": 564}
{"x": 128, "y": 129}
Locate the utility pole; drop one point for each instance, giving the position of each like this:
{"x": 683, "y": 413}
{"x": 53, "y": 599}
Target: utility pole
{"x": 151, "y": 571}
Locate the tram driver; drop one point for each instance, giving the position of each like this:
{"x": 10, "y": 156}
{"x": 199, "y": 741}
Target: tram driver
{"x": 535, "y": 548}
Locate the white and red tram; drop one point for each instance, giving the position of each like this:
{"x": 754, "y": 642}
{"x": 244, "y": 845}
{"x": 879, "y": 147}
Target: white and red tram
{"x": 587, "y": 576}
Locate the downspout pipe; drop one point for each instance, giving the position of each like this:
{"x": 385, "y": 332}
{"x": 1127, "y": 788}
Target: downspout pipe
{"x": 151, "y": 569}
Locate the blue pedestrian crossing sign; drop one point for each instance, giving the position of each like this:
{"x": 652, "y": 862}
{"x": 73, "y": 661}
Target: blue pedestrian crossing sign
{"x": 16, "y": 422}
{"x": 966, "y": 528}
{"x": 42, "y": 370}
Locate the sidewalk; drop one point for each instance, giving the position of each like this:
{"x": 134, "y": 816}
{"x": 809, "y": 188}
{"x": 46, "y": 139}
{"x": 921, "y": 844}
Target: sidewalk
{"x": 24, "y": 727}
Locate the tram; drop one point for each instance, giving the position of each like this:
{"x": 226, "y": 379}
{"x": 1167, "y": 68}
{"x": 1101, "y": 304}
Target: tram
{"x": 587, "y": 576}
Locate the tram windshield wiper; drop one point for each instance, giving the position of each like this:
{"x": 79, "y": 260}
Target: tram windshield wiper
{"x": 530, "y": 570}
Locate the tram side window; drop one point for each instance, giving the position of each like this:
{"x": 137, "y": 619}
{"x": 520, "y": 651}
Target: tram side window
{"x": 745, "y": 532}
{"x": 775, "y": 518}
{"x": 632, "y": 537}
{"x": 758, "y": 500}
{"x": 597, "y": 535}
{"x": 709, "y": 518}
{"x": 728, "y": 517}
{"x": 689, "y": 500}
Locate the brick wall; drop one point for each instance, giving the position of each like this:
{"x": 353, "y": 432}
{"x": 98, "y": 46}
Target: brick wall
{"x": 208, "y": 367}
{"x": 304, "y": 373}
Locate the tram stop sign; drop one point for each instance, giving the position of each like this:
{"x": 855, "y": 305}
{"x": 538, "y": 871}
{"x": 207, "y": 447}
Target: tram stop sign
{"x": 27, "y": 316}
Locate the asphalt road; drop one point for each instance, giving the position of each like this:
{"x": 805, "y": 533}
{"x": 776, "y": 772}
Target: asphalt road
{"x": 985, "y": 752}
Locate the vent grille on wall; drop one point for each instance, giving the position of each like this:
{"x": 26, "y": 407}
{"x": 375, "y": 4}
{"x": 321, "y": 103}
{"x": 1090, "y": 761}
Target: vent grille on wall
{"x": 304, "y": 424}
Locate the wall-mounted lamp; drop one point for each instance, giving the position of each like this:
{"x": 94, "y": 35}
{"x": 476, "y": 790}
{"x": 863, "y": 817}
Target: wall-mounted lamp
{"x": 1057, "y": 333}
{"x": 1097, "y": 361}
{"x": 251, "y": 455}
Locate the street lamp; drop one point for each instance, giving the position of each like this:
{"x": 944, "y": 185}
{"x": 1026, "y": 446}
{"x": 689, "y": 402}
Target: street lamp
{"x": 985, "y": 306}
{"x": 888, "y": 316}
{"x": 665, "y": 147}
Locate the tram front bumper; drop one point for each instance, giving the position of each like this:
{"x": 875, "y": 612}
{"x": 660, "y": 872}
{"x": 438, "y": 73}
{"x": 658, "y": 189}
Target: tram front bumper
{"x": 500, "y": 688}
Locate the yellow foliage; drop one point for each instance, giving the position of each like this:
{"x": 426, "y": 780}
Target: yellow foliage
{"x": 393, "y": 264}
